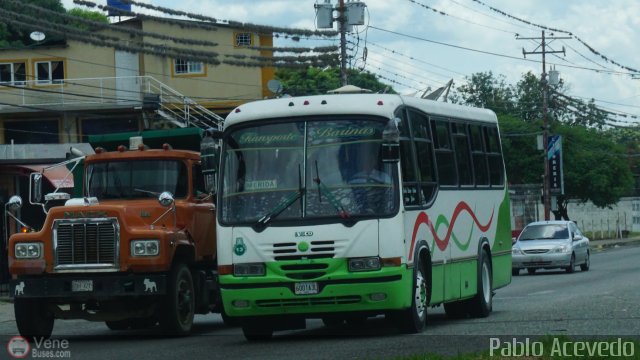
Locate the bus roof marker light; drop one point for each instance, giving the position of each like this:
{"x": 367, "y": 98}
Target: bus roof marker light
{"x": 291, "y": 103}
{"x": 237, "y": 110}
{"x": 323, "y": 102}
{"x": 122, "y": 148}
{"x": 380, "y": 102}
{"x": 306, "y": 102}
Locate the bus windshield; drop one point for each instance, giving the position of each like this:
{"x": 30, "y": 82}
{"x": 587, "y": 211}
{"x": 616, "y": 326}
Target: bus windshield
{"x": 328, "y": 168}
{"x": 137, "y": 179}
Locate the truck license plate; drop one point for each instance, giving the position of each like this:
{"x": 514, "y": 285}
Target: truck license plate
{"x": 81, "y": 285}
{"x": 306, "y": 288}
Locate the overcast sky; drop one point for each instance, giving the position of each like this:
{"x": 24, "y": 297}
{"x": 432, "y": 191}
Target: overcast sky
{"x": 412, "y": 47}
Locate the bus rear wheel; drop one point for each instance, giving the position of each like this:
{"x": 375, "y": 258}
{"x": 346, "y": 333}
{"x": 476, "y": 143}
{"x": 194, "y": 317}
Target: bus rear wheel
{"x": 482, "y": 304}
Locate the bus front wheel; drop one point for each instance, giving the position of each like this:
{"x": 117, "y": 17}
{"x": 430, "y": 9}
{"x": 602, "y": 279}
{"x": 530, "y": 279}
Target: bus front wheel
{"x": 413, "y": 319}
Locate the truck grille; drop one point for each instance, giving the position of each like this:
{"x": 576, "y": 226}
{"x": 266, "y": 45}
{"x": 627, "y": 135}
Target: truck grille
{"x": 86, "y": 243}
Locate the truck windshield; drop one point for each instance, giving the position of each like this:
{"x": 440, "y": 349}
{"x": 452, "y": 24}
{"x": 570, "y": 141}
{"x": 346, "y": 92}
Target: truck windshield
{"x": 136, "y": 179}
{"x": 307, "y": 169}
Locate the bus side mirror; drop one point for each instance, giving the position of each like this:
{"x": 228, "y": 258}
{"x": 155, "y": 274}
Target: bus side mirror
{"x": 391, "y": 142}
{"x": 210, "y": 158}
{"x": 35, "y": 188}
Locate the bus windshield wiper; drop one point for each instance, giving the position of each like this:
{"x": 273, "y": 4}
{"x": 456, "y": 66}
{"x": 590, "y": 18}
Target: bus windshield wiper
{"x": 284, "y": 203}
{"x": 322, "y": 189}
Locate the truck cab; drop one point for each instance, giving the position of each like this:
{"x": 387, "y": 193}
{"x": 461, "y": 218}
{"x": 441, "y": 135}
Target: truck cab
{"x": 139, "y": 248}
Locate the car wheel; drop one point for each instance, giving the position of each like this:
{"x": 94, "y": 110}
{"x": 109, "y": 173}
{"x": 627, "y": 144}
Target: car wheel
{"x": 572, "y": 265}
{"x": 481, "y": 305}
{"x": 531, "y": 271}
{"x": 515, "y": 272}
{"x": 587, "y": 263}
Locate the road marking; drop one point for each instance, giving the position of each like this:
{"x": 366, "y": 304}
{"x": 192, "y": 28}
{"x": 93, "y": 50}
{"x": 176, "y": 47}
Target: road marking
{"x": 541, "y": 292}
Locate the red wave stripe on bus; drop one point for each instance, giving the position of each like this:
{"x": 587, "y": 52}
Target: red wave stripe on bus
{"x": 423, "y": 218}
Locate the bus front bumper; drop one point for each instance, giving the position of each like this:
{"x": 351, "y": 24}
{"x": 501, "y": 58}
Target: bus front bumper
{"x": 386, "y": 290}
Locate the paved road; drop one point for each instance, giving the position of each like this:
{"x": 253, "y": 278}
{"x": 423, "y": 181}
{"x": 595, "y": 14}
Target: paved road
{"x": 602, "y": 301}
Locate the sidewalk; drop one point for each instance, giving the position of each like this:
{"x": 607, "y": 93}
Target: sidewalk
{"x": 6, "y": 304}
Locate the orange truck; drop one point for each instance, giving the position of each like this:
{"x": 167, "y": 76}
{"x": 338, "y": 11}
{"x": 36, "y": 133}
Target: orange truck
{"x": 138, "y": 249}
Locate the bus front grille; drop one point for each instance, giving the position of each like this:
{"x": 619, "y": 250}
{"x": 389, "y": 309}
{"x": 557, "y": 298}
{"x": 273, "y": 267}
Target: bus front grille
{"x": 319, "y": 249}
{"x": 86, "y": 243}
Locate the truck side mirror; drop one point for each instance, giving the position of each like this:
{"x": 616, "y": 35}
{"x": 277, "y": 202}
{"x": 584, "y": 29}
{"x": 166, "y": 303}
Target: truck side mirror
{"x": 210, "y": 158}
{"x": 35, "y": 188}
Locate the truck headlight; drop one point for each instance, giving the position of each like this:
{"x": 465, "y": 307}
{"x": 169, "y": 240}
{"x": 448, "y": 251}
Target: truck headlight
{"x": 364, "y": 264}
{"x": 28, "y": 250}
{"x": 145, "y": 247}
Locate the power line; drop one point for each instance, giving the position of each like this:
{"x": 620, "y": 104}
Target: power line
{"x": 459, "y": 18}
{"x": 561, "y": 31}
{"x": 493, "y": 53}
{"x": 208, "y": 20}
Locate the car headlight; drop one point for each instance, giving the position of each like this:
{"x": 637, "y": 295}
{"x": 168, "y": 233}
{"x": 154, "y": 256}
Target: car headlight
{"x": 364, "y": 264}
{"x": 561, "y": 249}
{"x": 250, "y": 269}
{"x": 28, "y": 250}
{"x": 516, "y": 251}
{"x": 145, "y": 247}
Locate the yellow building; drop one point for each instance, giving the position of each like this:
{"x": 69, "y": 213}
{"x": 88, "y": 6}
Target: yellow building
{"x": 63, "y": 92}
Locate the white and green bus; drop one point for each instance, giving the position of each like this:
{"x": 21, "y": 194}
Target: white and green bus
{"x": 346, "y": 206}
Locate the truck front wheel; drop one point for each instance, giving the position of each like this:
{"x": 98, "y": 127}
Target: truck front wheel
{"x": 178, "y": 306}
{"x": 33, "y": 318}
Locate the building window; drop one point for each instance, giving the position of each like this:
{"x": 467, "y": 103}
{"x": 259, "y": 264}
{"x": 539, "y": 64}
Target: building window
{"x": 13, "y": 73}
{"x": 31, "y": 132}
{"x": 186, "y": 67}
{"x": 49, "y": 72}
{"x": 243, "y": 39}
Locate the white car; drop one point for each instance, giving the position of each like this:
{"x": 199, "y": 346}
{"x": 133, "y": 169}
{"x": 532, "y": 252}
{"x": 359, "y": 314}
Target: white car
{"x": 549, "y": 245}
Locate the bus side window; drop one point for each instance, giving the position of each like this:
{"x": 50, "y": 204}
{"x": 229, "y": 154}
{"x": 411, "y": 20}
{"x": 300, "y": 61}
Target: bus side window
{"x": 463, "y": 157}
{"x": 479, "y": 156}
{"x": 425, "y": 174}
{"x": 494, "y": 156}
{"x": 444, "y": 152}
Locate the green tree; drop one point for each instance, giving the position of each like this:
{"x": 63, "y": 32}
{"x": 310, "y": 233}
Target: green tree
{"x": 595, "y": 165}
{"x": 18, "y": 36}
{"x": 15, "y": 37}
{"x": 313, "y": 81}
{"x": 486, "y": 90}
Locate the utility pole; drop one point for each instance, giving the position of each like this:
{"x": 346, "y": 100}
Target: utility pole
{"x": 342, "y": 27}
{"x": 350, "y": 14}
{"x": 542, "y": 49}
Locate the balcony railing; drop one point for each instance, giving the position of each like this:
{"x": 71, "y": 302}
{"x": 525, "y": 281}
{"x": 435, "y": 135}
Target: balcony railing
{"x": 126, "y": 91}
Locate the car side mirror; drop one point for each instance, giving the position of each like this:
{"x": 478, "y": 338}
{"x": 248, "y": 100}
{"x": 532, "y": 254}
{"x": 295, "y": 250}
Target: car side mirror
{"x": 577, "y": 237}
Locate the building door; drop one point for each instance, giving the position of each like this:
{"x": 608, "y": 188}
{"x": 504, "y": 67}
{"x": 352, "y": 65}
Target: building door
{"x": 128, "y": 85}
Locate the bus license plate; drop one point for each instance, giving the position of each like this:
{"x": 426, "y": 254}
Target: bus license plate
{"x": 306, "y": 288}
{"x": 81, "y": 285}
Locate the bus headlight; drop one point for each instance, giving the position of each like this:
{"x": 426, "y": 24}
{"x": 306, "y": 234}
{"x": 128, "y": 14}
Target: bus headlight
{"x": 145, "y": 247}
{"x": 251, "y": 269}
{"x": 28, "y": 250}
{"x": 364, "y": 264}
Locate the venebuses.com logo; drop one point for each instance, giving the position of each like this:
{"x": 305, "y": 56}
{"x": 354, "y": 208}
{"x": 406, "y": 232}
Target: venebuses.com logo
{"x": 19, "y": 347}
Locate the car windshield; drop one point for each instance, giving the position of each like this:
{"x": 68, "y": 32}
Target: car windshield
{"x": 136, "y": 179}
{"x": 307, "y": 169}
{"x": 544, "y": 232}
